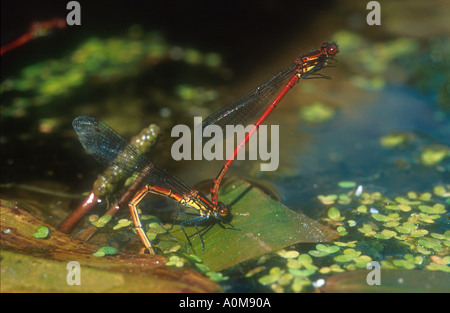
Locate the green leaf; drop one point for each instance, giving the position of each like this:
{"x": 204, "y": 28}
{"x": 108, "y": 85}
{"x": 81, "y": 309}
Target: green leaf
{"x": 346, "y": 184}
{"x": 105, "y": 251}
{"x": 334, "y": 214}
{"x": 259, "y": 225}
{"x": 42, "y": 232}
{"x": 435, "y": 209}
{"x": 49, "y": 259}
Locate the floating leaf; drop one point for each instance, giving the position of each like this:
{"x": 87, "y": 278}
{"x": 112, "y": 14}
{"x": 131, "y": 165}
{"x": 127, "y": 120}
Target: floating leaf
{"x": 431, "y": 243}
{"x": 428, "y": 218}
{"x": 349, "y": 255}
{"x": 438, "y": 267}
{"x": 440, "y": 191}
{"x": 294, "y": 263}
{"x": 318, "y": 254}
{"x": 285, "y": 279}
{"x": 346, "y": 184}
{"x": 362, "y": 209}
{"x": 302, "y": 273}
{"x": 396, "y": 139}
{"x": 419, "y": 233}
{"x": 404, "y": 207}
{"x": 317, "y": 112}
{"x": 385, "y": 234}
{"x": 122, "y": 223}
{"x": 438, "y": 208}
{"x": 351, "y": 244}
{"x": 41, "y": 232}
{"x": 433, "y": 154}
{"x": 330, "y": 199}
{"x": 426, "y": 196}
{"x": 404, "y": 264}
{"x": 102, "y": 221}
{"x": 105, "y": 251}
{"x": 380, "y": 217}
{"x": 406, "y": 228}
{"x": 343, "y": 258}
{"x": 299, "y": 283}
{"x": 334, "y": 214}
{"x": 367, "y": 230}
{"x": 328, "y": 249}
{"x": 216, "y": 276}
{"x": 289, "y": 254}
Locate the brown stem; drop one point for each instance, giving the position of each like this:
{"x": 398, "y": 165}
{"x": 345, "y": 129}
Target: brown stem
{"x": 74, "y": 218}
{"x": 114, "y": 209}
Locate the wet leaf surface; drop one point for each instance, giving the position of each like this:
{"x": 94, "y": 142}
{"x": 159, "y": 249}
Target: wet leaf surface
{"x": 260, "y": 225}
{"x": 40, "y": 265}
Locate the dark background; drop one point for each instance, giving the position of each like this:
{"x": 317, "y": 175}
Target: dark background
{"x": 243, "y": 32}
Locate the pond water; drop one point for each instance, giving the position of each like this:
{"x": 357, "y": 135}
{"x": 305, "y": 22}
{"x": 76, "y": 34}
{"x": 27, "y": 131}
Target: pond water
{"x": 366, "y": 153}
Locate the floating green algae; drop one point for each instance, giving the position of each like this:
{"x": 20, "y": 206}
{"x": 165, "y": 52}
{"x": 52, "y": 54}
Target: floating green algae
{"x": 396, "y": 139}
{"x": 94, "y": 62}
{"x": 317, "y": 112}
{"x": 434, "y": 154}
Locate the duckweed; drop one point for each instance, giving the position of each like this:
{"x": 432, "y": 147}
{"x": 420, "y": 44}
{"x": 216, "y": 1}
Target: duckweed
{"x": 42, "y": 232}
{"x": 317, "y": 112}
{"x": 102, "y": 221}
{"x": 375, "y": 222}
{"x": 327, "y": 249}
{"x": 122, "y": 223}
{"x": 346, "y": 184}
{"x": 440, "y": 191}
{"x": 406, "y": 228}
{"x": 334, "y": 214}
{"x": 434, "y": 154}
{"x": 288, "y": 254}
{"x": 396, "y": 139}
{"x": 105, "y": 251}
{"x": 216, "y": 276}
{"x": 100, "y": 60}
{"x": 438, "y": 208}
{"x": 330, "y": 199}
{"x": 176, "y": 261}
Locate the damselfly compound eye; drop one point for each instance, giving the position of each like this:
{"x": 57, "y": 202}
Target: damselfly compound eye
{"x": 332, "y": 50}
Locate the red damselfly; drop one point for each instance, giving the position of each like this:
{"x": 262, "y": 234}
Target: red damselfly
{"x": 110, "y": 149}
{"x": 261, "y": 101}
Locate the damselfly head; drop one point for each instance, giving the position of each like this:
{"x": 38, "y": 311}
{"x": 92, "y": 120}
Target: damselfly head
{"x": 330, "y": 48}
{"x": 223, "y": 212}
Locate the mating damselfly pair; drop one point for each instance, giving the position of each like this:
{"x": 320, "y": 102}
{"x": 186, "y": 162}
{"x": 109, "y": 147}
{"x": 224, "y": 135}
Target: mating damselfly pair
{"x": 110, "y": 149}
